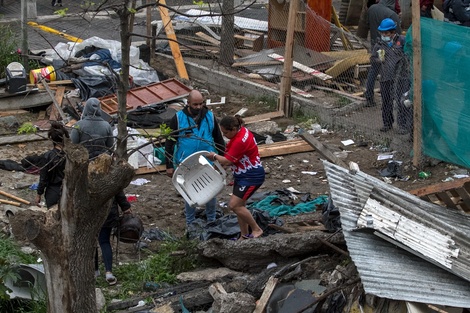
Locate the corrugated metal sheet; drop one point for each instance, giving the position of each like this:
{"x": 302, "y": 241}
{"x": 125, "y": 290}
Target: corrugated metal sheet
{"x": 385, "y": 269}
{"x": 152, "y": 94}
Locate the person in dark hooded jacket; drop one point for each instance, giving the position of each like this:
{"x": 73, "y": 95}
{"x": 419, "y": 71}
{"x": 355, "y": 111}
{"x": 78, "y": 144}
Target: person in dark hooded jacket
{"x": 52, "y": 172}
{"x": 120, "y": 201}
{"x": 92, "y": 130}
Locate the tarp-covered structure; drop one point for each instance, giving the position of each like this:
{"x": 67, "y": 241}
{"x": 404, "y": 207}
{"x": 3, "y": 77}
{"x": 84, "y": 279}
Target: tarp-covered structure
{"x": 445, "y": 52}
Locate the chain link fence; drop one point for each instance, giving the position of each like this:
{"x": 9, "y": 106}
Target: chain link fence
{"x": 330, "y": 64}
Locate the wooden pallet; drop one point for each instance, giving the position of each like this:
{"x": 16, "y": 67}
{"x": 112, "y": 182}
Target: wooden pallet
{"x": 454, "y": 194}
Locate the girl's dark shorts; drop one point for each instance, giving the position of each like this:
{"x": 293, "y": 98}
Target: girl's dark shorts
{"x": 244, "y": 192}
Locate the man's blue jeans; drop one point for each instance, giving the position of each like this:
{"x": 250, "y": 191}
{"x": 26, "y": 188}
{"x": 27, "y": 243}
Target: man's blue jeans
{"x": 210, "y": 211}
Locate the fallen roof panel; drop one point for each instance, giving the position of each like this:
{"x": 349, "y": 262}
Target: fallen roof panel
{"x": 386, "y": 270}
{"x": 152, "y": 94}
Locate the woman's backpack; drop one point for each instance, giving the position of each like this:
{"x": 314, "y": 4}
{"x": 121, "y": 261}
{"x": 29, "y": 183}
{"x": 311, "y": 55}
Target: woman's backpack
{"x": 130, "y": 228}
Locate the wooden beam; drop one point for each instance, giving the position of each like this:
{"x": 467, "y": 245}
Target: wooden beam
{"x": 59, "y": 109}
{"x": 266, "y": 150}
{"x": 9, "y": 195}
{"x": 283, "y": 148}
{"x": 208, "y": 38}
{"x": 7, "y": 140}
{"x": 303, "y": 68}
{"x": 424, "y": 191}
{"x": 12, "y": 112}
{"x": 323, "y": 150}
{"x": 268, "y": 290}
{"x": 417, "y": 84}
{"x": 284, "y": 100}
{"x": 170, "y": 33}
{"x": 10, "y": 202}
{"x": 262, "y": 117}
{"x": 59, "y": 96}
{"x": 247, "y": 64}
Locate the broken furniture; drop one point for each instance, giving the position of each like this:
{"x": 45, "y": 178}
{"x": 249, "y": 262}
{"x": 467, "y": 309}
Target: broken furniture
{"x": 196, "y": 179}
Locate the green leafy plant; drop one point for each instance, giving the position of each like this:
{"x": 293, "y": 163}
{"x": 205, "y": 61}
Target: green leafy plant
{"x": 27, "y": 128}
{"x": 11, "y": 255}
{"x": 162, "y": 267}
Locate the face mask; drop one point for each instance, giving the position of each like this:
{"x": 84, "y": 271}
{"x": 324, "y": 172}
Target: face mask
{"x": 194, "y": 111}
{"x": 386, "y": 38}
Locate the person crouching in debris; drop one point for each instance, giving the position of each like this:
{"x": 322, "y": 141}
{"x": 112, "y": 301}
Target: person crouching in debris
{"x": 92, "y": 131}
{"x": 242, "y": 155}
{"x": 394, "y": 81}
{"x": 52, "y": 172}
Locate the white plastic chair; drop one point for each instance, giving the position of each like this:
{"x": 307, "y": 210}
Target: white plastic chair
{"x": 197, "y": 180}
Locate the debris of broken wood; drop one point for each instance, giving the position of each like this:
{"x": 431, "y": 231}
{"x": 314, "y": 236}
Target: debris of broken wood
{"x": 10, "y": 202}
{"x": 322, "y": 150}
{"x": 454, "y": 194}
{"x": 9, "y": 195}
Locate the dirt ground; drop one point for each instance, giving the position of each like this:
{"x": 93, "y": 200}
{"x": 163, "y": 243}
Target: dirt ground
{"x": 160, "y": 206}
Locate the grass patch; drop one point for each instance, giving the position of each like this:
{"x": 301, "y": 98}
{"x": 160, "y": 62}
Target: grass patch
{"x": 266, "y": 102}
{"x": 10, "y": 256}
{"x": 161, "y": 267}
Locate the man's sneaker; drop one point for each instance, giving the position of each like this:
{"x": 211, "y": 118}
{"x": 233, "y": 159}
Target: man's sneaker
{"x": 385, "y": 129}
{"x": 402, "y": 131}
{"x": 370, "y": 103}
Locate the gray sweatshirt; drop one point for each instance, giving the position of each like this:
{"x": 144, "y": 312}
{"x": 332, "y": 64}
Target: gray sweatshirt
{"x": 92, "y": 131}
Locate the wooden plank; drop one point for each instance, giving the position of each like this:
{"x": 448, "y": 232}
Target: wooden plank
{"x": 263, "y": 117}
{"x": 274, "y": 149}
{"x": 323, "y": 150}
{"x": 9, "y": 195}
{"x": 303, "y": 68}
{"x": 59, "y": 96}
{"x": 424, "y": 191}
{"x": 12, "y": 112}
{"x": 338, "y": 55}
{"x": 170, "y": 33}
{"x": 208, "y": 38}
{"x": 465, "y": 205}
{"x": 285, "y": 148}
{"x": 146, "y": 170}
{"x": 248, "y": 64}
{"x": 444, "y": 197}
{"x": 10, "y": 202}
{"x": 49, "y": 91}
{"x": 345, "y": 64}
{"x": 268, "y": 290}
{"x": 5, "y": 140}
{"x": 301, "y": 92}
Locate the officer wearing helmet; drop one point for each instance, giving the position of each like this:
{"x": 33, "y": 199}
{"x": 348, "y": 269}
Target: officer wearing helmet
{"x": 394, "y": 76}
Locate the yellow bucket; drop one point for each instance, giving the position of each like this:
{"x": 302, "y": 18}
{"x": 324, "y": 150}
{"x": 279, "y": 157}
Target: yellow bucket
{"x": 48, "y": 73}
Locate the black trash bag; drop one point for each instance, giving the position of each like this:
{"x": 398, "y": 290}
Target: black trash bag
{"x": 393, "y": 169}
{"x": 336, "y": 302}
{"x": 331, "y": 217}
{"x": 95, "y": 86}
{"x": 263, "y": 220}
{"x": 10, "y": 165}
{"x": 149, "y": 117}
